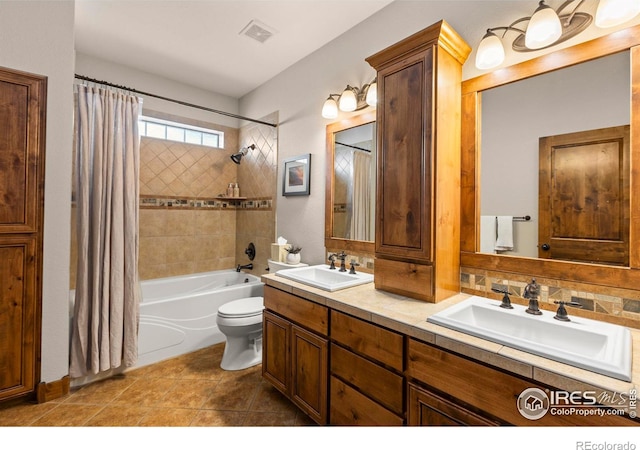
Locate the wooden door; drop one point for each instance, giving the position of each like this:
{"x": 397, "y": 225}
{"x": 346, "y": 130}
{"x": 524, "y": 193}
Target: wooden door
{"x": 584, "y": 196}
{"x": 22, "y": 134}
{"x": 275, "y": 351}
{"x": 309, "y": 373}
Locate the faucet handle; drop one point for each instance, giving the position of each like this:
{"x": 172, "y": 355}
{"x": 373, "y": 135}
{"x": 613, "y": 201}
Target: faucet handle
{"x": 332, "y": 260}
{"x": 352, "y": 270}
{"x": 561, "y": 314}
{"x": 506, "y": 301}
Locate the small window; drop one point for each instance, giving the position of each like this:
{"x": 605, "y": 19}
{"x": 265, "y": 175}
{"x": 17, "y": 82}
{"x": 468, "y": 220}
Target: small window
{"x": 179, "y": 132}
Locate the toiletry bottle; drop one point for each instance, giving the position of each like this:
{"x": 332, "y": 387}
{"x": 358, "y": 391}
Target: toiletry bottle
{"x": 230, "y": 190}
{"x": 236, "y": 190}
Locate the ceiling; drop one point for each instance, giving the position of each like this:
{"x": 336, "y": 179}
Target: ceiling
{"x": 200, "y": 42}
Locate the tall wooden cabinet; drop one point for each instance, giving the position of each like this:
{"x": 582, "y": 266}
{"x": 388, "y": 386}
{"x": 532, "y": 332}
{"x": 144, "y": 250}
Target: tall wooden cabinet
{"x": 22, "y": 134}
{"x": 418, "y": 175}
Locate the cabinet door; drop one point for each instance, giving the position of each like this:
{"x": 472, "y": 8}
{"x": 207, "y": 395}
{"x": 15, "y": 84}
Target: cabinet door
{"x": 428, "y": 409}
{"x": 275, "y": 351}
{"x": 22, "y": 112}
{"x": 18, "y": 311}
{"x": 309, "y": 368}
{"x": 403, "y": 225}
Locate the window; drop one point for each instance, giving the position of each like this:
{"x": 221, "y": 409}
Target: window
{"x": 180, "y": 132}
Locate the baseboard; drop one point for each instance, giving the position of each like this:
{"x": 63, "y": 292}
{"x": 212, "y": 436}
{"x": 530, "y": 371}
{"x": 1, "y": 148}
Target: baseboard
{"x": 50, "y": 391}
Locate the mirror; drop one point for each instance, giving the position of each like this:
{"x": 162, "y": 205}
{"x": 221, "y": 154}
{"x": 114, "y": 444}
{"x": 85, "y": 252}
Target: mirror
{"x": 350, "y": 185}
{"x": 589, "y": 96}
{"x": 471, "y": 160}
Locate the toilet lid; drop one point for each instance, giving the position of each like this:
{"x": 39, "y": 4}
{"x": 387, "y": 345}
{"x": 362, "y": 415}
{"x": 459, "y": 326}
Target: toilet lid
{"x": 244, "y": 307}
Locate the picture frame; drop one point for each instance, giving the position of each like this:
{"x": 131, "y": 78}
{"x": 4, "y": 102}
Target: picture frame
{"x": 296, "y": 175}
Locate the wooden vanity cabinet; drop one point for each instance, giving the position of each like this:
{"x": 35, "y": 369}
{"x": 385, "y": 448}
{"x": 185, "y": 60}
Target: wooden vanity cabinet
{"x": 418, "y": 170}
{"x": 366, "y": 364}
{"x": 295, "y": 350}
{"x": 468, "y": 392}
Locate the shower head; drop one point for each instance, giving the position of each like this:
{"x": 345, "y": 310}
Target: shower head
{"x": 236, "y": 157}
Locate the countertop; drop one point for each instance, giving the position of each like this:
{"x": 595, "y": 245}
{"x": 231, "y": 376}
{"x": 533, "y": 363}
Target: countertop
{"x": 409, "y": 317}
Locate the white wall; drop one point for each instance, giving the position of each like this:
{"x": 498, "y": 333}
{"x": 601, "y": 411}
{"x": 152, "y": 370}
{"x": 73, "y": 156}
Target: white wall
{"x": 97, "y": 68}
{"x": 37, "y": 37}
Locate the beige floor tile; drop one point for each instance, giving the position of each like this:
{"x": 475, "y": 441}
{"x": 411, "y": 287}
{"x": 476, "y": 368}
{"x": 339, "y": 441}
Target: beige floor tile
{"x": 118, "y": 416}
{"x": 168, "y": 417}
{"x": 68, "y": 415}
{"x": 212, "y": 418}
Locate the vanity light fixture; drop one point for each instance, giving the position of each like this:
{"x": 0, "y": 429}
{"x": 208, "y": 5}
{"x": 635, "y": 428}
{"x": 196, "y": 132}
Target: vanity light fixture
{"x": 548, "y": 27}
{"x": 351, "y": 99}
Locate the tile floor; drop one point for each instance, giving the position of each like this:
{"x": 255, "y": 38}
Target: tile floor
{"x": 189, "y": 390}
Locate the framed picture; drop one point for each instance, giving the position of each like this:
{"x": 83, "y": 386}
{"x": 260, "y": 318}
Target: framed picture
{"x": 295, "y": 180}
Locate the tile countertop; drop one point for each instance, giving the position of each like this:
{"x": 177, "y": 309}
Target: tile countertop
{"x": 409, "y": 316}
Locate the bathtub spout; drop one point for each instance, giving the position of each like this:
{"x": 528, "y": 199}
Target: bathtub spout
{"x": 246, "y": 266}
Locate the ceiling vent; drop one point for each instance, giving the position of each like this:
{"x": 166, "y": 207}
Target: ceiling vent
{"x": 258, "y": 31}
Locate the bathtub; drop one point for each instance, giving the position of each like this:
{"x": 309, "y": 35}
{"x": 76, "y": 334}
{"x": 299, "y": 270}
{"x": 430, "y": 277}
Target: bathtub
{"x": 178, "y": 314}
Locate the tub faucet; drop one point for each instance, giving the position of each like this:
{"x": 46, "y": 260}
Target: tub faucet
{"x": 531, "y": 292}
{"x": 246, "y": 266}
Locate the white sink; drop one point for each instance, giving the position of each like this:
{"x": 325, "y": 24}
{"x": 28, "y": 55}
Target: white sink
{"x": 324, "y": 278}
{"x": 589, "y": 344}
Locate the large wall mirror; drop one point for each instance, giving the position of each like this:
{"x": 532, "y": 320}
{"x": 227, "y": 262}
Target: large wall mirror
{"x": 350, "y": 185}
{"x": 511, "y": 117}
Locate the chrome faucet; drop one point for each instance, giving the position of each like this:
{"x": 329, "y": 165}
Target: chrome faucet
{"x": 506, "y": 301}
{"x": 354, "y": 264}
{"x": 532, "y": 292}
{"x": 246, "y": 266}
{"x": 332, "y": 260}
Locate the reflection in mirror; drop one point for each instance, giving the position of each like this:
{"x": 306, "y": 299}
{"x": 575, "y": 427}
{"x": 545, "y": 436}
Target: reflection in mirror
{"x": 588, "y": 96}
{"x": 350, "y": 184}
{"x": 354, "y": 188}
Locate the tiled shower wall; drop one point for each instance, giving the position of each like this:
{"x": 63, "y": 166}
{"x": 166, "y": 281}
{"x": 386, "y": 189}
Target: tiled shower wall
{"x": 186, "y": 226}
{"x": 257, "y": 179}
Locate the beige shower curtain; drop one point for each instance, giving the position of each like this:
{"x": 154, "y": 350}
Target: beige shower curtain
{"x": 361, "y": 228}
{"x": 105, "y": 319}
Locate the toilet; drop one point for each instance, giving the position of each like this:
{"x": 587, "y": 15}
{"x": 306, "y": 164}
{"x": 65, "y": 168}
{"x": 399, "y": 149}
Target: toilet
{"x": 241, "y": 323}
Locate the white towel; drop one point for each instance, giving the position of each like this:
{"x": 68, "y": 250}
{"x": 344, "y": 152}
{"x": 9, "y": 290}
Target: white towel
{"x": 488, "y": 234}
{"x": 504, "y": 241}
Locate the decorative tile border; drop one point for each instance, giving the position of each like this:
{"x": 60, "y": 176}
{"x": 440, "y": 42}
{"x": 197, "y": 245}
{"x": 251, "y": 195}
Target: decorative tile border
{"x": 182, "y": 203}
{"x": 621, "y": 307}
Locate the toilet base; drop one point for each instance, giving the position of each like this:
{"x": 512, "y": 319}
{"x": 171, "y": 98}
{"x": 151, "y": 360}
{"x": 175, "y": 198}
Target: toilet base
{"x": 242, "y": 352}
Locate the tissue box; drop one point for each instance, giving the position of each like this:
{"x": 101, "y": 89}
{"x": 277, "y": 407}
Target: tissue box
{"x": 279, "y": 252}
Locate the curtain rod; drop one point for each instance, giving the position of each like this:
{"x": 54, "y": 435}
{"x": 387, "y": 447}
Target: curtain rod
{"x": 224, "y": 113}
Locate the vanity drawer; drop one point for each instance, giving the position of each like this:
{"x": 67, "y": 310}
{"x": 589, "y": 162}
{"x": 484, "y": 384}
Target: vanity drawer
{"x": 490, "y": 390}
{"x": 367, "y": 339}
{"x": 376, "y": 382}
{"x": 308, "y": 314}
{"x": 350, "y": 407}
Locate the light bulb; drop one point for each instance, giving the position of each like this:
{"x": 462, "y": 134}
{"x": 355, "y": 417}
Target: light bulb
{"x": 614, "y": 12}
{"x": 330, "y": 109}
{"x": 490, "y": 52}
{"x": 544, "y": 28}
{"x": 372, "y": 94}
{"x": 348, "y": 100}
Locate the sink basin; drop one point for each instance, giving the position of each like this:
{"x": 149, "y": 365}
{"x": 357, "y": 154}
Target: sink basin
{"x": 589, "y": 344}
{"x": 324, "y": 278}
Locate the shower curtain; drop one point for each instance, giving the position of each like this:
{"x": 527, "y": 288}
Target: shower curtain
{"x": 362, "y": 209}
{"x": 105, "y": 319}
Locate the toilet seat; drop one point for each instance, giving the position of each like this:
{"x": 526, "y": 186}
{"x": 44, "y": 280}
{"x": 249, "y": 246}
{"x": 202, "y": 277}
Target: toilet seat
{"x": 244, "y": 307}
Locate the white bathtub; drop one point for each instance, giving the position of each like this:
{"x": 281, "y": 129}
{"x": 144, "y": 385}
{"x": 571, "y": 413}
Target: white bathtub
{"x": 178, "y": 314}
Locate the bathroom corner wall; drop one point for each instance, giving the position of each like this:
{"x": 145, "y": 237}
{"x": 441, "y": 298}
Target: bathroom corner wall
{"x": 256, "y": 219}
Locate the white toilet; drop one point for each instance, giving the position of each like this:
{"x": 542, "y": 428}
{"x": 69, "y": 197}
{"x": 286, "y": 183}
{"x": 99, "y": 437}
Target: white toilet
{"x": 241, "y": 323}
